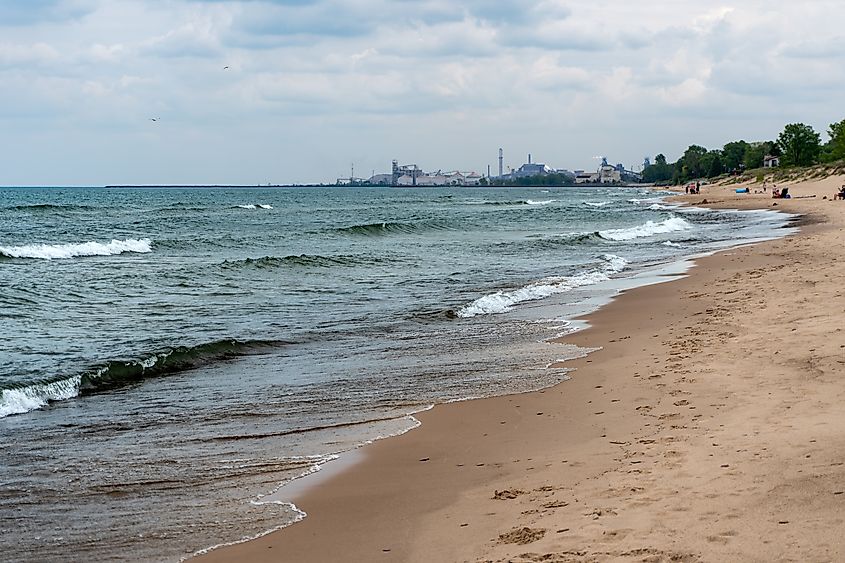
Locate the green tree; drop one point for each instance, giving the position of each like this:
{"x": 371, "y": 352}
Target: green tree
{"x": 660, "y": 171}
{"x": 755, "y": 153}
{"x": 679, "y": 171}
{"x": 692, "y": 167}
{"x": 835, "y": 148}
{"x": 733, "y": 154}
{"x": 800, "y": 144}
{"x": 711, "y": 164}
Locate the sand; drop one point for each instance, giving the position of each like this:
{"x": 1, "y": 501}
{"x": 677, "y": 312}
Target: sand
{"x": 709, "y": 427}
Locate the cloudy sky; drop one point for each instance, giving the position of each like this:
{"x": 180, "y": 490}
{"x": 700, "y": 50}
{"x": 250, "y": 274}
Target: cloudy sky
{"x": 313, "y": 86}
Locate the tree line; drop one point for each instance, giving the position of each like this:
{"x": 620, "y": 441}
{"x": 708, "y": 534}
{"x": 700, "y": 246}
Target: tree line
{"x": 797, "y": 145}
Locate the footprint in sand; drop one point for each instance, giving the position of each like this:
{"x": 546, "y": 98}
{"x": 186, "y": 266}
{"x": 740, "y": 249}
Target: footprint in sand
{"x": 522, "y": 536}
{"x": 556, "y": 504}
{"x": 507, "y": 494}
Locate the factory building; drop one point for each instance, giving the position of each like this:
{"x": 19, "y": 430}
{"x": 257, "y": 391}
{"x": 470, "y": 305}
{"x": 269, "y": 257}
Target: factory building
{"x": 440, "y": 179}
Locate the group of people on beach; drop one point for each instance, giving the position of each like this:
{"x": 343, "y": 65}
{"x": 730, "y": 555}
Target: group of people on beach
{"x": 693, "y": 188}
{"x": 778, "y": 193}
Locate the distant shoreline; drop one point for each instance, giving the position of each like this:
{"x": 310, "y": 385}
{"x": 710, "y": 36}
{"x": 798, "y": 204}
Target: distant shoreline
{"x": 247, "y": 186}
{"x": 227, "y": 186}
{"x": 254, "y": 186}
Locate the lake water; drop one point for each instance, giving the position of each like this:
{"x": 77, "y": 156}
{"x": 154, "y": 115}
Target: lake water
{"x": 170, "y": 357}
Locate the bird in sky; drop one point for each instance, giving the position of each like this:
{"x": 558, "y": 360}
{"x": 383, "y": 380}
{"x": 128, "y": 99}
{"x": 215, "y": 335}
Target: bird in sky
{"x": 225, "y": 67}
{"x": 154, "y": 118}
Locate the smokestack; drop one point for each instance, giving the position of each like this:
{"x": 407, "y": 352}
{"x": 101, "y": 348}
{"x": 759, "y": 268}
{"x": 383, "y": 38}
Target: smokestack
{"x": 529, "y": 158}
{"x": 501, "y": 160}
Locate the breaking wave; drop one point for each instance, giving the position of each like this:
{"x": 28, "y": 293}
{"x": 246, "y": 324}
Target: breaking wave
{"x": 504, "y": 301}
{"x": 661, "y": 207}
{"x": 254, "y": 206}
{"x": 18, "y": 399}
{"x": 650, "y": 228}
{"x": 74, "y": 250}
{"x": 31, "y": 397}
{"x": 512, "y": 203}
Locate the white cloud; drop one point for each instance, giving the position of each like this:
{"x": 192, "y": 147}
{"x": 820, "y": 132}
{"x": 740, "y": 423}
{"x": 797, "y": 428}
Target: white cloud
{"x": 36, "y": 54}
{"x": 313, "y": 84}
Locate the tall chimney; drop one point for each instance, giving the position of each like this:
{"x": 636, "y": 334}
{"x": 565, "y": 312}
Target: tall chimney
{"x": 529, "y": 158}
{"x": 501, "y": 160}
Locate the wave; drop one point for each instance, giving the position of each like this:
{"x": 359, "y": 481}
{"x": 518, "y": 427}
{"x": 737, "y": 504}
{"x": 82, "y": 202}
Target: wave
{"x": 74, "y": 250}
{"x": 650, "y": 228}
{"x": 31, "y": 397}
{"x": 498, "y": 203}
{"x": 661, "y": 207}
{"x": 18, "y": 399}
{"x": 645, "y": 201}
{"x": 390, "y": 228}
{"x": 504, "y": 301}
{"x": 36, "y": 207}
{"x": 597, "y": 203}
{"x": 535, "y": 242}
{"x": 254, "y": 206}
{"x": 512, "y": 203}
{"x": 304, "y": 260}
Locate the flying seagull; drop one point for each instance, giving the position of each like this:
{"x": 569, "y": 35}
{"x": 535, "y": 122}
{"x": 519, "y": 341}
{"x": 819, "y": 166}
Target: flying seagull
{"x": 225, "y": 67}
{"x": 154, "y": 118}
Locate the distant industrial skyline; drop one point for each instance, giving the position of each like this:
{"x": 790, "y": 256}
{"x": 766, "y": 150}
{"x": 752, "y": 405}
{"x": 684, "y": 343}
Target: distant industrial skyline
{"x": 212, "y": 91}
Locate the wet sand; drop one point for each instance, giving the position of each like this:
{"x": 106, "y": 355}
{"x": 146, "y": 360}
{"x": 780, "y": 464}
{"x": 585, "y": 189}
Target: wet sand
{"x": 709, "y": 427}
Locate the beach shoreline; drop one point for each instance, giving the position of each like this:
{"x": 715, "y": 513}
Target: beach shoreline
{"x": 654, "y": 448}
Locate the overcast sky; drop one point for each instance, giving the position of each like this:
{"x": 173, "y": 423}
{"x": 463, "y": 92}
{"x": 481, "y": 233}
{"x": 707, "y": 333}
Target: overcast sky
{"x": 313, "y": 86}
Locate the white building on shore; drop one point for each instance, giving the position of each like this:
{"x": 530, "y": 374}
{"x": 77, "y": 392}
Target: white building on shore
{"x": 439, "y": 178}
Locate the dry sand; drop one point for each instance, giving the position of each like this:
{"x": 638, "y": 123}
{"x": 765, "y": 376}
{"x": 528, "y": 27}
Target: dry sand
{"x": 710, "y": 427}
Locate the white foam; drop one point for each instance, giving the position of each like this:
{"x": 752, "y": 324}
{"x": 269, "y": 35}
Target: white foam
{"x": 544, "y": 202}
{"x": 25, "y": 399}
{"x": 504, "y": 301}
{"x": 650, "y": 228}
{"x": 646, "y": 200}
{"x": 614, "y": 263}
{"x": 299, "y": 515}
{"x": 672, "y": 244}
{"x": 255, "y": 206}
{"x": 597, "y": 203}
{"x": 73, "y": 250}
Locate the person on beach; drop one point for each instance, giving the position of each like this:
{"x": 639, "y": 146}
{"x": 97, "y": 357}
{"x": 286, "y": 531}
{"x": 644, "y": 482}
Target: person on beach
{"x": 840, "y": 194}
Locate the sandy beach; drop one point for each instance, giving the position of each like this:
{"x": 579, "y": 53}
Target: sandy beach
{"x": 708, "y": 427}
